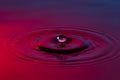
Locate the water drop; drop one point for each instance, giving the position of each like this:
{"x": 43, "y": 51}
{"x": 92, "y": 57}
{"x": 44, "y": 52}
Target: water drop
{"x": 61, "y": 39}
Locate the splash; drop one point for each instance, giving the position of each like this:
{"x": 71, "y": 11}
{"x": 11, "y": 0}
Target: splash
{"x": 64, "y": 45}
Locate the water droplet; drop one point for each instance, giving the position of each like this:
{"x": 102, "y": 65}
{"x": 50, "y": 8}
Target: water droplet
{"x": 61, "y": 39}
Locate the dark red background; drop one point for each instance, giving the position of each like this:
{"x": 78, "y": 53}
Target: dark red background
{"x": 21, "y": 16}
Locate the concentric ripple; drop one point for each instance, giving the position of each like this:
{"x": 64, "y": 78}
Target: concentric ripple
{"x": 83, "y": 46}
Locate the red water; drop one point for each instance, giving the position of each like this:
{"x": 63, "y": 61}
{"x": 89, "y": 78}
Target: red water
{"x": 96, "y": 21}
